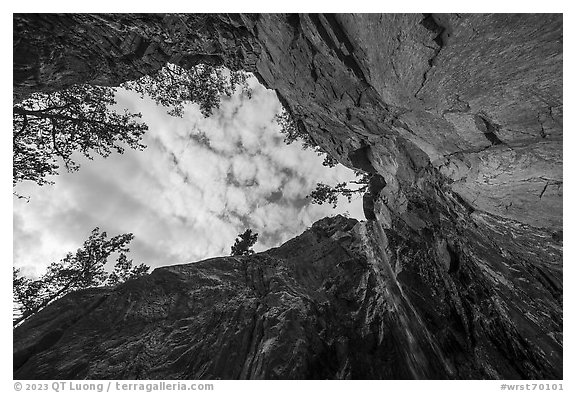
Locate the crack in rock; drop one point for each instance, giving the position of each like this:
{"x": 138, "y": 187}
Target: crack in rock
{"x": 430, "y": 24}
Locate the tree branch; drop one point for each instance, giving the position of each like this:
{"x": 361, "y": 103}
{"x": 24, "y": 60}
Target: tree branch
{"x": 24, "y": 125}
{"x": 22, "y": 111}
{"x": 55, "y": 144}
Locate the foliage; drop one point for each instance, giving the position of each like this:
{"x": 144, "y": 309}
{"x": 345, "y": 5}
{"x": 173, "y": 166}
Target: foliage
{"x": 83, "y": 269}
{"x": 329, "y": 161}
{"x": 174, "y": 86}
{"x": 124, "y": 271}
{"x": 243, "y": 244}
{"x": 52, "y": 126}
{"x": 292, "y": 133}
{"x": 48, "y": 127}
{"x": 324, "y": 193}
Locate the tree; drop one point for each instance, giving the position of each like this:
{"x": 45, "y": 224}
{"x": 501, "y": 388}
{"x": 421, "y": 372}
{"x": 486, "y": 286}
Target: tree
{"x": 292, "y": 132}
{"x": 52, "y": 126}
{"x": 83, "y": 269}
{"x": 24, "y": 295}
{"x": 243, "y": 244}
{"x": 324, "y": 193}
{"x": 124, "y": 271}
{"x": 204, "y": 84}
{"x": 49, "y": 127}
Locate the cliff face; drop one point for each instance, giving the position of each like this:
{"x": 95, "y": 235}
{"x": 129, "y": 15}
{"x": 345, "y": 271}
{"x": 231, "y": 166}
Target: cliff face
{"x": 458, "y": 274}
{"x": 342, "y": 300}
{"x": 476, "y": 97}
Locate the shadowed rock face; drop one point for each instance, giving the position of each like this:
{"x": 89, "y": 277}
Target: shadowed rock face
{"x": 476, "y": 97}
{"x": 458, "y": 274}
{"x": 343, "y": 300}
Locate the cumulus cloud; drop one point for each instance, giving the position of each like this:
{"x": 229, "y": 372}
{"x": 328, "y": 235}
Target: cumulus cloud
{"x": 243, "y": 170}
{"x": 200, "y": 182}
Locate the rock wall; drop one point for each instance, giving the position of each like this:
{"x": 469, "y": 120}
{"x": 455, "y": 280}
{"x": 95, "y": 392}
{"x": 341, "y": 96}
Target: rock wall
{"x": 459, "y": 274}
{"x": 477, "y": 97}
{"x": 343, "y": 300}
{"x": 54, "y": 51}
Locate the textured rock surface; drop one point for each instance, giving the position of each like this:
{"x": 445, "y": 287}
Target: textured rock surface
{"x": 478, "y": 97}
{"x": 460, "y": 114}
{"x": 54, "y": 51}
{"x": 343, "y": 300}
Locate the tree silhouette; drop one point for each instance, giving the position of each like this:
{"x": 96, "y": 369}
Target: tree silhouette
{"x": 83, "y": 269}
{"x": 124, "y": 271}
{"x": 52, "y": 126}
{"x": 292, "y": 132}
{"x": 243, "y": 244}
{"x": 49, "y": 127}
{"x": 324, "y": 193}
{"x": 175, "y": 86}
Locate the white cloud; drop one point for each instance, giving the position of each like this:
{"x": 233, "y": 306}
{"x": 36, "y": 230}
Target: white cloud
{"x": 200, "y": 182}
{"x": 295, "y": 188}
{"x": 237, "y": 202}
{"x": 244, "y": 169}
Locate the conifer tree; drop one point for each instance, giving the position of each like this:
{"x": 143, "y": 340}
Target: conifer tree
{"x": 243, "y": 244}
{"x": 79, "y": 270}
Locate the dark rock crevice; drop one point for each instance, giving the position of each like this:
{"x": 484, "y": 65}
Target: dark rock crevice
{"x": 360, "y": 159}
{"x": 334, "y": 36}
{"x": 431, "y": 25}
{"x": 490, "y": 130}
{"x": 458, "y": 272}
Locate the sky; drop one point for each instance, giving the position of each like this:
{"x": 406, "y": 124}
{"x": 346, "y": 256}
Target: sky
{"x": 37, "y": 238}
{"x": 186, "y": 197}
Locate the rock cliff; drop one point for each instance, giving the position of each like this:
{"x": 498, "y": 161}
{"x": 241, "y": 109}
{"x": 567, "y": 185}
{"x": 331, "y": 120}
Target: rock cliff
{"x": 343, "y": 300}
{"x": 458, "y": 272}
